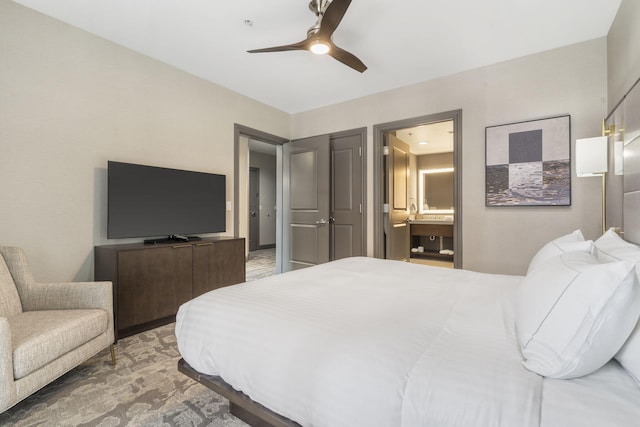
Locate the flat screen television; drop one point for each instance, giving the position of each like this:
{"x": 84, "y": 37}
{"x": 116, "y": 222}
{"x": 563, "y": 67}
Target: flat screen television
{"x": 147, "y": 201}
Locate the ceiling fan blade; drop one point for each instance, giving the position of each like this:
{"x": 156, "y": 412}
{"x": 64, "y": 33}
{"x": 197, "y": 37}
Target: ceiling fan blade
{"x": 332, "y": 17}
{"x": 347, "y": 58}
{"x": 294, "y": 46}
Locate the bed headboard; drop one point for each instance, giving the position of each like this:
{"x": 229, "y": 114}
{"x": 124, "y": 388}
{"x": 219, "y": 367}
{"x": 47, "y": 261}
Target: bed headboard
{"x": 631, "y": 148}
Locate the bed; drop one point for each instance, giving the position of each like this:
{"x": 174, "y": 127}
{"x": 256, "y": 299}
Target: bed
{"x": 369, "y": 342}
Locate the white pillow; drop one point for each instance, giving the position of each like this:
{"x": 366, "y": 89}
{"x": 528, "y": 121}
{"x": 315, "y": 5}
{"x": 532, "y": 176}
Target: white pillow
{"x": 567, "y": 243}
{"x": 629, "y": 354}
{"x": 611, "y": 247}
{"x": 574, "y": 313}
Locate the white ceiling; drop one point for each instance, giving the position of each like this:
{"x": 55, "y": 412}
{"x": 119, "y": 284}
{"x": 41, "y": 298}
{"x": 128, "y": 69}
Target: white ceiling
{"x": 402, "y": 41}
{"x": 437, "y": 136}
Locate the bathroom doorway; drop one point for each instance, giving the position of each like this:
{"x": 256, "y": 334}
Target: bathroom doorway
{"x": 417, "y": 187}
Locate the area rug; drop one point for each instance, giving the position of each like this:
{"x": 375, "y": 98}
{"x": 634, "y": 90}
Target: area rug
{"x": 143, "y": 389}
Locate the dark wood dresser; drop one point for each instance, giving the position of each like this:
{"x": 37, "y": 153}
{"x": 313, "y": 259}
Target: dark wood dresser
{"x": 151, "y": 281}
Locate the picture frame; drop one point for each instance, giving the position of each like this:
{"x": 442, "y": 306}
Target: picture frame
{"x": 528, "y": 163}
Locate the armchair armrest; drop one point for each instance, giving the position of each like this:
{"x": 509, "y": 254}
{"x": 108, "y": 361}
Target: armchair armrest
{"x": 7, "y": 386}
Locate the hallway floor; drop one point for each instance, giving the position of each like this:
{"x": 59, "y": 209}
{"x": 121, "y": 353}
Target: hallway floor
{"x": 261, "y": 263}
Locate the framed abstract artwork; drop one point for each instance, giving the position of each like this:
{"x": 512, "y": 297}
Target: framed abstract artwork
{"x": 529, "y": 163}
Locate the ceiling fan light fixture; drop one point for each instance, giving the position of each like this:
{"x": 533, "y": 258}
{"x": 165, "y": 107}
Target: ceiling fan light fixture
{"x": 319, "y": 47}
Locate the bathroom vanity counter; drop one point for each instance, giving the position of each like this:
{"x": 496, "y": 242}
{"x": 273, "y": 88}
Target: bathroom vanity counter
{"x": 433, "y": 235}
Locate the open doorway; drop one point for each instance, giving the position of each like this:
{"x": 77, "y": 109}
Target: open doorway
{"x": 417, "y": 187}
{"x": 262, "y": 195}
{"x": 258, "y": 196}
{"x": 261, "y": 215}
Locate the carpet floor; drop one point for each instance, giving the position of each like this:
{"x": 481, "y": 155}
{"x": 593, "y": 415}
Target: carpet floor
{"x": 143, "y": 389}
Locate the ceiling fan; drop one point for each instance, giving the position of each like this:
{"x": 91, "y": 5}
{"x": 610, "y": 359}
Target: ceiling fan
{"x": 329, "y": 13}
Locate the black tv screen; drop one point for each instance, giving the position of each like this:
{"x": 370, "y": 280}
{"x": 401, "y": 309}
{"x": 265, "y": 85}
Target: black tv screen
{"x": 145, "y": 201}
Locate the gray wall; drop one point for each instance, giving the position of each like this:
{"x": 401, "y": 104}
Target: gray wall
{"x": 435, "y": 161}
{"x": 267, "y": 165}
{"x": 570, "y": 80}
{"x": 70, "y": 101}
{"x": 623, "y": 51}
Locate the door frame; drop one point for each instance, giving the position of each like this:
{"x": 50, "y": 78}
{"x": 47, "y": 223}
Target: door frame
{"x": 378, "y": 176}
{"x": 268, "y": 138}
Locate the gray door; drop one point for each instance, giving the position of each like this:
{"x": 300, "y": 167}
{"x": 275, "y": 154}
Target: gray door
{"x": 397, "y": 227}
{"x": 254, "y": 206}
{"x": 306, "y": 165}
{"x": 346, "y": 197}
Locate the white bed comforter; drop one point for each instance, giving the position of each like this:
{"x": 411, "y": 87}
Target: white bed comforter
{"x": 367, "y": 342}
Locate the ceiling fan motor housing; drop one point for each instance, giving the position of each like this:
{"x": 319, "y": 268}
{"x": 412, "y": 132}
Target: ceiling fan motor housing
{"x": 318, "y": 6}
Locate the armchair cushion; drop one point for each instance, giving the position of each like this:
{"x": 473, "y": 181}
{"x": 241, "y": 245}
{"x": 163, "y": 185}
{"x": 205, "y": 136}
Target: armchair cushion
{"x": 39, "y": 337}
{"x": 9, "y": 298}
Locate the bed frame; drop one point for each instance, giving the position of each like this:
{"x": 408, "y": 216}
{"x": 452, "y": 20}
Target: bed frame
{"x": 256, "y": 415}
{"x": 240, "y": 405}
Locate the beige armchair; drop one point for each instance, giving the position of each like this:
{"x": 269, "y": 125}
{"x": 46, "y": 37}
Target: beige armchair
{"x": 47, "y": 329}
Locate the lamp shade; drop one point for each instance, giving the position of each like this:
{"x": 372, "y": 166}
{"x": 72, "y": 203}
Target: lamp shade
{"x": 591, "y": 156}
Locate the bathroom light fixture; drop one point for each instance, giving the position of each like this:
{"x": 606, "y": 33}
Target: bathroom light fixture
{"x": 439, "y": 170}
{"x": 423, "y": 142}
{"x": 592, "y": 160}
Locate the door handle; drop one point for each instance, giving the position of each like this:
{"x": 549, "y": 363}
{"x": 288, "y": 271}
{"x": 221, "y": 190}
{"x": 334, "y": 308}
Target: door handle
{"x": 331, "y": 220}
{"x": 321, "y": 222}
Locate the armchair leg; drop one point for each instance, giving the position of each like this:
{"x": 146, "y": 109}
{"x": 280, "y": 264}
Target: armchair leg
{"x": 113, "y": 354}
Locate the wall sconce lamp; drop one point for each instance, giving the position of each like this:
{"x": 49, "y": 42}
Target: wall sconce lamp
{"x": 592, "y": 160}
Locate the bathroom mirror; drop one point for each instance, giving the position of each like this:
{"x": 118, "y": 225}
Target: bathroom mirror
{"x": 435, "y": 191}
